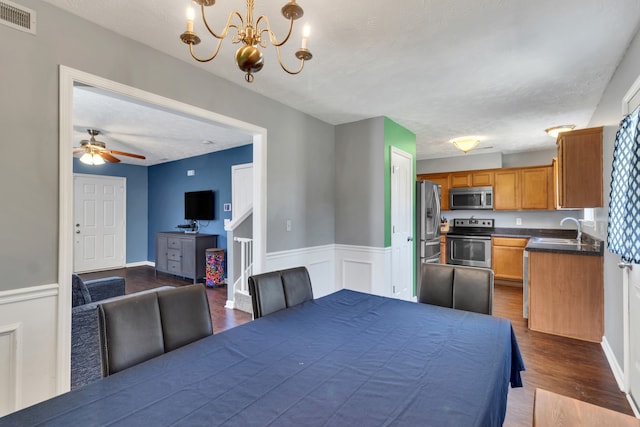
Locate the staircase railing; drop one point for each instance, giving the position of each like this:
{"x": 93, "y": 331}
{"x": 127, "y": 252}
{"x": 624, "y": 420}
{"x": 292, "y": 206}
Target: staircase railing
{"x": 246, "y": 264}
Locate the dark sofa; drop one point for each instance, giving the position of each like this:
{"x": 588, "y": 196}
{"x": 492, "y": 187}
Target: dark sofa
{"x": 85, "y": 336}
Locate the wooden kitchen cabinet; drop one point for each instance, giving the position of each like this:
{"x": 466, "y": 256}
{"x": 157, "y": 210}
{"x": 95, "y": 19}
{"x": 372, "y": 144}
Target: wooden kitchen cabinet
{"x": 506, "y": 190}
{"x": 443, "y": 249}
{"x": 528, "y": 188}
{"x": 580, "y": 168}
{"x": 460, "y": 179}
{"x": 506, "y": 257}
{"x": 443, "y": 180}
{"x": 537, "y": 188}
{"x": 566, "y": 295}
{"x": 482, "y": 178}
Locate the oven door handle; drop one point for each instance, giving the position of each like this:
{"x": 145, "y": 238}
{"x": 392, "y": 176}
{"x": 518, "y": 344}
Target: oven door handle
{"x": 461, "y": 237}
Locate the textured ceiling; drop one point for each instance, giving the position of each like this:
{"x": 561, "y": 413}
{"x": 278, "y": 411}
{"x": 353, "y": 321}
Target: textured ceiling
{"x": 503, "y": 70}
{"x": 135, "y": 127}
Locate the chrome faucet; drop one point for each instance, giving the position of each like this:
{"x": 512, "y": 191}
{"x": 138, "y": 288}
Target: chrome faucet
{"x": 579, "y": 236}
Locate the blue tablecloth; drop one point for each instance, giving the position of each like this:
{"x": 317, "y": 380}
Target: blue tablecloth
{"x": 348, "y": 359}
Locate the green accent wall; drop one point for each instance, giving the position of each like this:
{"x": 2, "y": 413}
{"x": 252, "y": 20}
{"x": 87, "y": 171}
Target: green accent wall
{"x": 402, "y": 138}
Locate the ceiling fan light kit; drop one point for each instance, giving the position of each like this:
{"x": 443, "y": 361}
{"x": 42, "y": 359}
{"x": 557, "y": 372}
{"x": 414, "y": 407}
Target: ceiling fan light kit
{"x": 250, "y": 33}
{"x": 95, "y": 152}
{"x": 92, "y": 159}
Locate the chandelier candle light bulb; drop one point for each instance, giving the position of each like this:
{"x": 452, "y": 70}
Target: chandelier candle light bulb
{"x": 191, "y": 14}
{"x": 305, "y": 35}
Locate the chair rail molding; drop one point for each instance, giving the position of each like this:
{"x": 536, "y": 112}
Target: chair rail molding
{"x": 28, "y": 326}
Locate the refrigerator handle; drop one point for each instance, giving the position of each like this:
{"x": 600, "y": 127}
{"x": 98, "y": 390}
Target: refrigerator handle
{"x": 436, "y": 197}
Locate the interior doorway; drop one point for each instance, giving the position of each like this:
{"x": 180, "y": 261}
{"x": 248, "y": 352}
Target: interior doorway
{"x": 70, "y": 77}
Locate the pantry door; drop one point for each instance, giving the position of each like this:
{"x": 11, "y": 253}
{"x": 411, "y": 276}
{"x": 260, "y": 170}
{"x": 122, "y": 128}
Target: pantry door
{"x": 99, "y": 222}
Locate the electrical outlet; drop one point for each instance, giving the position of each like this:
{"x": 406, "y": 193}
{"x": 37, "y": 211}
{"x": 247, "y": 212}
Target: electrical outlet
{"x": 518, "y": 221}
{"x": 288, "y": 225}
{"x": 191, "y": 172}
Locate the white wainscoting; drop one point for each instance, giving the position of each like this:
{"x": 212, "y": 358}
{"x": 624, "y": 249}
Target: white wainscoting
{"x": 363, "y": 268}
{"x": 334, "y": 267}
{"x": 28, "y": 346}
{"x": 319, "y": 260}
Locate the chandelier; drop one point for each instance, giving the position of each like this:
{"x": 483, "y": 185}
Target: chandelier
{"x": 250, "y": 33}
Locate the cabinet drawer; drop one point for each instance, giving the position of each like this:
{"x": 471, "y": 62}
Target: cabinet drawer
{"x": 173, "y": 243}
{"x": 173, "y": 254}
{"x": 174, "y": 267}
{"x": 517, "y": 242}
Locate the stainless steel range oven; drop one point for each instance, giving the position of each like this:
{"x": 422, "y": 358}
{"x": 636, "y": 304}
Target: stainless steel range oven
{"x": 469, "y": 242}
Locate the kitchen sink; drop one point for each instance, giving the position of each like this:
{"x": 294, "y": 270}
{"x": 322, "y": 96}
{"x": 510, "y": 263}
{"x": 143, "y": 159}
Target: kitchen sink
{"x": 554, "y": 241}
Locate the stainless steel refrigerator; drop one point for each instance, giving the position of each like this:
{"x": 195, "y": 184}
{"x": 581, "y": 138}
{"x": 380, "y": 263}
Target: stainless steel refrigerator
{"x": 427, "y": 226}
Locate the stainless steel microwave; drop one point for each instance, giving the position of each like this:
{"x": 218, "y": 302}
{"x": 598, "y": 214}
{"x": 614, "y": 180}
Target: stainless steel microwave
{"x": 471, "y": 198}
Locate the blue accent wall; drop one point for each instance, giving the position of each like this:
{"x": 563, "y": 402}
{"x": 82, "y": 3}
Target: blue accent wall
{"x": 137, "y": 212}
{"x": 169, "y": 181}
{"x": 155, "y": 195}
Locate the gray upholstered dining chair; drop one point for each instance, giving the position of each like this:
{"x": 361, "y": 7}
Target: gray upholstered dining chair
{"x": 297, "y": 286}
{"x": 185, "y": 315}
{"x": 130, "y": 332}
{"x": 456, "y": 286}
{"x": 267, "y": 293}
{"x": 277, "y": 290}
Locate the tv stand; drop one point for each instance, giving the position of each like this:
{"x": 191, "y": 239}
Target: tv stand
{"x": 183, "y": 254}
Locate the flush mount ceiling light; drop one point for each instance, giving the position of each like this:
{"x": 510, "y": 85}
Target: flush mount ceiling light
{"x": 249, "y": 33}
{"x": 465, "y": 143}
{"x": 554, "y": 131}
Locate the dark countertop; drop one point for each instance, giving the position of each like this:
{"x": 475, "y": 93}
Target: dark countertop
{"x": 590, "y": 246}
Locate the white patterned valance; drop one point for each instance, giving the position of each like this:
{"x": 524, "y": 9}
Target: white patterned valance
{"x": 624, "y": 206}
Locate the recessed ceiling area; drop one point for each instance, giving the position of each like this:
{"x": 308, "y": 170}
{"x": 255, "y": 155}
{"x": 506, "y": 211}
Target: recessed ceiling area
{"x": 130, "y": 125}
{"x": 501, "y": 70}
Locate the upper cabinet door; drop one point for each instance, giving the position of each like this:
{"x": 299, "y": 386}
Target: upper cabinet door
{"x": 580, "y": 168}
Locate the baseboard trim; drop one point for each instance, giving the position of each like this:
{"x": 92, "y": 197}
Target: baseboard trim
{"x": 140, "y": 264}
{"x": 618, "y": 374}
{"x": 634, "y": 407}
{"x": 229, "y": 304}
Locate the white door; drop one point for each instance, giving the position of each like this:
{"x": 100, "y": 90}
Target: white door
{"x": 241, "y": 190}
{"x": 401, "y": 224}
{"x": 634, "y": 333}
{"x": 98, "y": 222}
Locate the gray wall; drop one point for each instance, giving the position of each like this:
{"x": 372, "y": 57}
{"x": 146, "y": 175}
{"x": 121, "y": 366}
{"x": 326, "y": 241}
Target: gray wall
{"x": 486, "y": 161}
{"x": 359, "y": 204}
{"x": 300, "y": 155}
{"x": 462, "y": 162}
{"x": 608, "y": 114}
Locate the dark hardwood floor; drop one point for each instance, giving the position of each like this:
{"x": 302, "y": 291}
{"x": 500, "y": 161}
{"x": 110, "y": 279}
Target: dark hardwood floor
{"x": 565, "y": 366}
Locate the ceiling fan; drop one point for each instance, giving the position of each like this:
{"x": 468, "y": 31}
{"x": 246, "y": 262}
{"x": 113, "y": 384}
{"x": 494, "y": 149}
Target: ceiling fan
{"x": 95, "y": 152}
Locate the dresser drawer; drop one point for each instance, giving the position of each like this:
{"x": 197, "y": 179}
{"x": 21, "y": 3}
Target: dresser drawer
{"x": 174, "y": 243}
{"x": 174, "y": 254}
{"x": 174, "y": 267}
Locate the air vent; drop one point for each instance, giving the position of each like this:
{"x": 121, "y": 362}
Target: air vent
{"x": 17, "y": 16}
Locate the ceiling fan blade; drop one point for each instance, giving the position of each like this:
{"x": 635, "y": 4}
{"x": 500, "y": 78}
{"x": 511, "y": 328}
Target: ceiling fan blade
{"x": 108, "y": 157}
{"x": 79, "y": 150}
{"x": 123, "y": 153}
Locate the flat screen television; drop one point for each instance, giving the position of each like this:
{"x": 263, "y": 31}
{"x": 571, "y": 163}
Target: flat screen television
{"x": 198, "y": 205}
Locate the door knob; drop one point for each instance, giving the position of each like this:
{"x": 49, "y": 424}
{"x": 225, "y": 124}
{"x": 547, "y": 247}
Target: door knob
{"x": 409, "y": 239}
{"x": 77, "y": 231}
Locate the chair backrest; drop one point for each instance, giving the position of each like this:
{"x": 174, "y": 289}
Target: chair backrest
{"x": 459, "y": 287}
{"x": 130, "y": 332}
{"x": 473, "y": 289}
{"x": 185, "y": 315}
{"x": 437, "y": 285}
{"x": 297, "y": 286}
{"x": 267, "y": 293}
